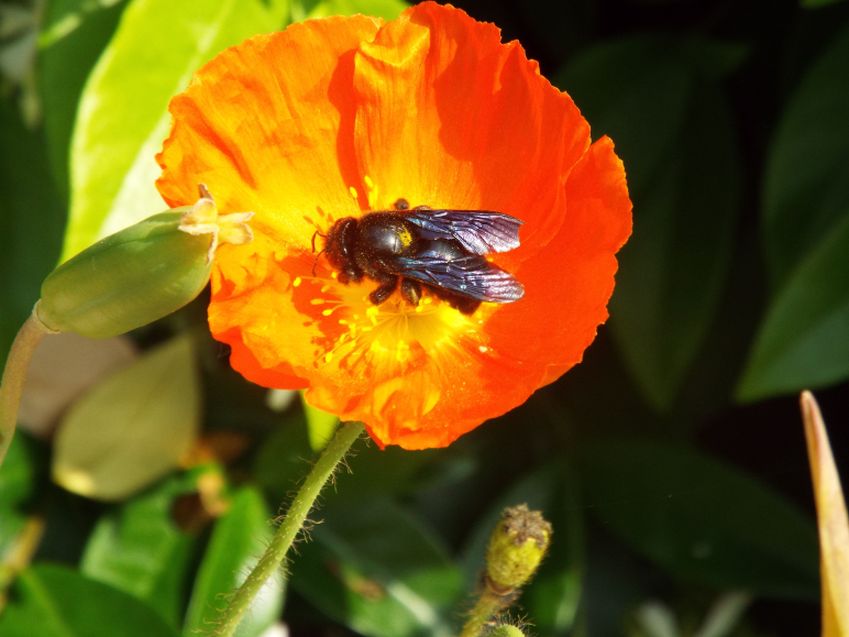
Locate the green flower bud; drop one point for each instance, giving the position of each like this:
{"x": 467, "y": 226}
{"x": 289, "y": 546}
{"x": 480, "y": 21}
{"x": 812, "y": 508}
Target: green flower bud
{"x": 139, "y": 274}
{"x": 516, "y": 548}
{"x": 506, "y": 630}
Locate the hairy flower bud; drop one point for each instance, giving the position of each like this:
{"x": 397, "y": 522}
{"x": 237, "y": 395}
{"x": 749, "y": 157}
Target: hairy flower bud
{"x": 139, "y": 274}
{"x": 516, "y": 548}
{"x": 506, "y": 630}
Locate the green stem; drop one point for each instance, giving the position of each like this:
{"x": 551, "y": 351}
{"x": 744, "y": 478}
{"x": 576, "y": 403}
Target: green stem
{"x": 14, "y": 374}
{"x": 489, "y": 604}
{"x": 276, "y": 552}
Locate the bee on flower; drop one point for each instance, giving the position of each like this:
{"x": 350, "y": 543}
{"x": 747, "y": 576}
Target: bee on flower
{"x": 490, "y": 269}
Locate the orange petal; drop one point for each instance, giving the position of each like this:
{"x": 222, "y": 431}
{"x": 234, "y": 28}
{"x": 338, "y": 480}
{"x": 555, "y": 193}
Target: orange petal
{"x": 438, "y": 394}
{"x": 567, "y": 286}
{"x": 249, "y": 312}
{"x": 832, "y": 521}
{"x": 452, "y": 118}
{"x": 260, "y": 125}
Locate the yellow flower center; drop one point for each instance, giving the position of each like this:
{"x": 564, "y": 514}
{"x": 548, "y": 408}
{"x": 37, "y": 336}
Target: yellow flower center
{"x": 400, "y": 347}
{"x": 394, "y": 333}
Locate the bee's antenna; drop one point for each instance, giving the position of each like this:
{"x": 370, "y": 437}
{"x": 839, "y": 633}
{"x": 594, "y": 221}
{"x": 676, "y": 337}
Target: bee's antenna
{"x": 315, "y": 261}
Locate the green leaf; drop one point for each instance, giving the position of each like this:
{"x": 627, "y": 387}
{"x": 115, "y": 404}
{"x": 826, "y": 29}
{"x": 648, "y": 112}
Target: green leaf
{"x": 284, "y": 457}
{"x": 282, "y": 460}
{"x": 138, "y": 549}
{"x": 804, "y": 339}
{"x": 74, "y": 34}
{"x": 133, "y": 427}
{"x": 320, "y": 425}
{"x": 238, "y": 540}
{"x": 816, "y": 4}
{"x": 551, "y": 599}
{"x": 371, "y": 465}
{"x": 18, "y": 475}
{"x": 658, "y": 98}
{"x": 18, "y": 472}
{"x": 387, "y": 9}
{"x": 375, "y": 569}
{"x": 54, "y": 601}
{"x": 31, "y": 221}
{"x": 806, "y": 185}
{"x": 701, "y": 520}
{"x": 123, "y": 120}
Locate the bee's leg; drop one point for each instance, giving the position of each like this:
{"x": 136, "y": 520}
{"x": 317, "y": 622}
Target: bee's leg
{"x": 388, "y": 283}
{"x": 422, "y": 208}
{"x": 463, "y": 303}
{"x": 411, "y": 291}
{"x": 349, "y": 274}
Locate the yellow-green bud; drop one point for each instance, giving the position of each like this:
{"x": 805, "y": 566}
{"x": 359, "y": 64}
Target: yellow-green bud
{"x": 139, "y": 274}
{"x": 505, "y": 630}
{"x": 516, "y": 548}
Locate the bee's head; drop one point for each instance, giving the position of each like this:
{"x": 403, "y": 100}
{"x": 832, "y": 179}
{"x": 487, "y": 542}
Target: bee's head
{"x": 338, "y": 243}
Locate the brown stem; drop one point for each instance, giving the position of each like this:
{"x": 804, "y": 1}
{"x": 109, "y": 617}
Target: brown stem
{"x": 14, "y": 374}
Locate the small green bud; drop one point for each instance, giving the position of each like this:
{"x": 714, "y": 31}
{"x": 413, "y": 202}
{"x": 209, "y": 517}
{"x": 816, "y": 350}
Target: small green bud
{"x": 516, "y": 548}
{"x": 139, "y": 274}
{"x": 505, "y": 630}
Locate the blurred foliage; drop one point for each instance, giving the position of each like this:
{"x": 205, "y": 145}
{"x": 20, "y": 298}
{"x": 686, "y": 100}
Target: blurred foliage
{"x": 684, "y": 176}
{"x": 671, "y": 462}
{"x": 132, "y": 428}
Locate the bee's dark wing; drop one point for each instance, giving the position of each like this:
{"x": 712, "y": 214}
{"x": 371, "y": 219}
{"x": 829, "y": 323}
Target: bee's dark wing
{"x": 470, "y": 275}
{"x": 478, "y": 231}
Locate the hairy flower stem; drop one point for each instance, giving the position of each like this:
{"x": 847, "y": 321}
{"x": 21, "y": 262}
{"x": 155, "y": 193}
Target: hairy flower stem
{"x": 14, "y": 374}
{"x": 489, "y": 604}
{"x": 279, "y": 546}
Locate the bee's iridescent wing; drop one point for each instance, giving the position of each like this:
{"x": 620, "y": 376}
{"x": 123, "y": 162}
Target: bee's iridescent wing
{"x": 478, "y": 231}
{"x": 472, "y": 276}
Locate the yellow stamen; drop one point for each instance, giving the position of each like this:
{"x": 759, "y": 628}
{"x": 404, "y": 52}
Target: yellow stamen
{"x": 372, "y": 192}
{"x": 389, "y": 340}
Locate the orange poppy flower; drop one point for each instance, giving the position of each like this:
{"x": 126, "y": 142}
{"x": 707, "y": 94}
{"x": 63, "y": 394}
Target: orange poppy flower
{"x": 337, "y": 117}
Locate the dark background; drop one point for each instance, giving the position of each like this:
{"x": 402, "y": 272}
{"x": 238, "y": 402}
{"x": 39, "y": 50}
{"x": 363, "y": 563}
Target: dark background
{"x": 672, "y": 466}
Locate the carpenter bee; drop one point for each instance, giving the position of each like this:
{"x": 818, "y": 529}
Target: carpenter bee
{"x": 440, "y": 250}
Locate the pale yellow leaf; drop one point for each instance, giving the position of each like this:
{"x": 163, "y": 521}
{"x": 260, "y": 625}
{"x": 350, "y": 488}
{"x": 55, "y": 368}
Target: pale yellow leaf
{"x": 832, "y": 521}
{"x": 63, "y": 367}
{"x": 279, "y": 399}
{"x": 133, "y": 427}
{"x": 320, "y": 425}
